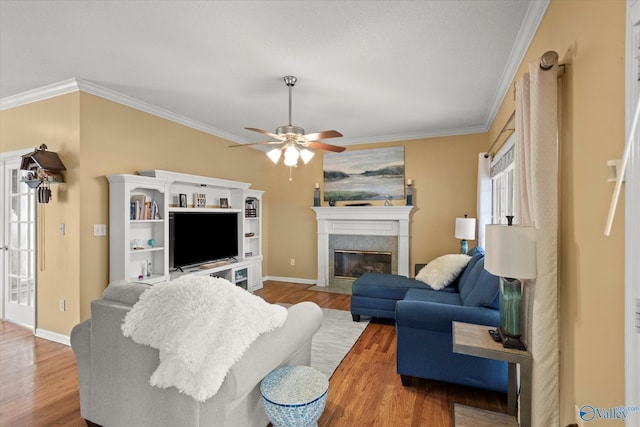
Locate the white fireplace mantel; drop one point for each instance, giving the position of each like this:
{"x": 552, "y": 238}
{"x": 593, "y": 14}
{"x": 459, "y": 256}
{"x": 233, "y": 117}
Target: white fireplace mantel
{"x": 366, "y": 221}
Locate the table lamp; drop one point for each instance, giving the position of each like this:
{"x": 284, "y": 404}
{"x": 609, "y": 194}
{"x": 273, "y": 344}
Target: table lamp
{"x": 465, "y": 230}
{"x": 510, "y": 253}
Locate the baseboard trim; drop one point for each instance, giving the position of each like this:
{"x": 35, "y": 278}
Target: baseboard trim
{"x": 291, "y": 280}
{"x": 53, "y": 336}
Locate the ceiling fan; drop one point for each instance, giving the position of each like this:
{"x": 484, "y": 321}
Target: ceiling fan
{"x": 294, "y": 142}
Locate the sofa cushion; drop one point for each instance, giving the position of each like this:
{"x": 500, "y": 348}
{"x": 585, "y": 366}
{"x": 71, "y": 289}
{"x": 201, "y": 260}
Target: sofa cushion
{"x": 416, "y": 294}
{"x": 471, "y": 277}
{"x": 443, "y": 270}
{"x": 125, "y": 292}
{"x": 475, "y": 251}
{"x": 463, "y": 279}
{"x": 485, "y": 291}
{"x": 387, "y": 286}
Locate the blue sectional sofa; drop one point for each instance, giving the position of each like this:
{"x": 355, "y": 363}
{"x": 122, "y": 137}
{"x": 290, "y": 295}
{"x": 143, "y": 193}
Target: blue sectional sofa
{"x": 424, "y": 319}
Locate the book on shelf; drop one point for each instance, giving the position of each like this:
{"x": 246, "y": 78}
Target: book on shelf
{"x": 137, "y": 202}
{"x": 142, "y": 208}
{"x": 154, "y": 210}
{"x": 147, "y": 210}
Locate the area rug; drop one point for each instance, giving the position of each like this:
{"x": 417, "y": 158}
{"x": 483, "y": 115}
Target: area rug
{"x": 334, "y": 339}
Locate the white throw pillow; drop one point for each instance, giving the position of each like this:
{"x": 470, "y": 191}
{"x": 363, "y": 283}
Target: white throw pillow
{"x": 443, "y": 270}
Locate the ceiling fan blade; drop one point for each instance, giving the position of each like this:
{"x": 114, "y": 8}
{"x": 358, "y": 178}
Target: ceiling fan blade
{"x": 255, "y": 143}
{"x": 323, "y": 146}
{"x": 272, "y": 135}
{"x": 323, "y": 135}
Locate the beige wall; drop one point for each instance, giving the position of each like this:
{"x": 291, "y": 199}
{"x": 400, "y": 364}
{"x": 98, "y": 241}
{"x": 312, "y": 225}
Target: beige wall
{"x": 54, "y": 122}
{"x": 444, "y": 171}
{"x": 109, "y": 138}
{"x": 591, "y": 265}
{"x": 117, "y": 139}
{"x": 95, "y": 137}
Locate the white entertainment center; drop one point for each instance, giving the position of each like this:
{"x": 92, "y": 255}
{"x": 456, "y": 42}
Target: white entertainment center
{"x": 139, "y": 236}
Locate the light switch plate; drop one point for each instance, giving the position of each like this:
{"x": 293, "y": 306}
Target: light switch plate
{"x": 99, "y": 229}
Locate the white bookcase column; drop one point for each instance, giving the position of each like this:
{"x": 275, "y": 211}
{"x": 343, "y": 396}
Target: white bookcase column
{"x": 137, "y": 243}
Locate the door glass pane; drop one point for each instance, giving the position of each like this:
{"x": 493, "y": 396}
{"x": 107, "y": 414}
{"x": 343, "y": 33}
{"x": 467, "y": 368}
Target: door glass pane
{"x": 24, "y": 264}
{"x": 15, "y": 180}
{"x": 13, "y": 289}
{"x": 23, "y": 235}
{"x": 15, "y": 208}
{"x": 26, "y": 292}
{"x": 14, "y": 267}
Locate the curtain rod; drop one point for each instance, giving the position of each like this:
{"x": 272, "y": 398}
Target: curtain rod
{"x": 547, "y": 61}
{"x": 505, "y": 128}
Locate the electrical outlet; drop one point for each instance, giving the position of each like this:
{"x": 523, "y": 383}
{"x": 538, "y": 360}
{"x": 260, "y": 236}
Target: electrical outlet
{"x": 62, "y": 305}
{"x": 99, "y": 229}
{"x": 292, "y": 261}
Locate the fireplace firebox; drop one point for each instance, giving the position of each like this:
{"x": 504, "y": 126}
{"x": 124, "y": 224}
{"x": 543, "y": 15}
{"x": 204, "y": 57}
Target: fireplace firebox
{"x": 351, "y": 264}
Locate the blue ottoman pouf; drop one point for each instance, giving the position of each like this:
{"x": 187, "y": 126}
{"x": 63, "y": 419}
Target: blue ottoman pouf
{"x": 294, "y": 396}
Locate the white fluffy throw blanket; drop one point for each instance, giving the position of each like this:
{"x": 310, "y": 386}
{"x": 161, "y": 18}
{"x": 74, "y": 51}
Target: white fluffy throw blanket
{"x": 201, "y": 327}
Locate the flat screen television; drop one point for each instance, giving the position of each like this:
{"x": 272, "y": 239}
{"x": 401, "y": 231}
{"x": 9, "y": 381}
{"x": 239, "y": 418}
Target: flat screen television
{"x": 200, "y": 237}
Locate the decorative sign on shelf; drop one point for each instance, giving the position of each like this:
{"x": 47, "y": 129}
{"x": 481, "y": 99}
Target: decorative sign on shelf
{"x": 199, "y": 200}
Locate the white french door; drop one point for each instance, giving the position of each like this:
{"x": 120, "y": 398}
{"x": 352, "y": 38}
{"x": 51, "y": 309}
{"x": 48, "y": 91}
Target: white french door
{"x": 18, "y": 244}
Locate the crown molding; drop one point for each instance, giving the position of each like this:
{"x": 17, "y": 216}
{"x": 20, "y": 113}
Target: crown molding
{"x": 535, "y": 13}
{"x": 76, "y": 84}
{"x": 407, "y": 137}
{"x": 39, "y": 94}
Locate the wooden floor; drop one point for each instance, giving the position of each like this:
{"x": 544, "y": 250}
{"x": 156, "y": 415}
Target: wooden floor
{"x": 39, "y": 381}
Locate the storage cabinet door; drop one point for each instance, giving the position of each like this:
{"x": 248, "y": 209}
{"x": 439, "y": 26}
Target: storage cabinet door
{"x": 255, "y": 276}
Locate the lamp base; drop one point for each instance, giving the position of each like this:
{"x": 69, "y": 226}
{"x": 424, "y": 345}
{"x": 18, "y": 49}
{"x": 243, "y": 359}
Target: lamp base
{"x": 509, "y": 341}
{"x": 464, "y": 247}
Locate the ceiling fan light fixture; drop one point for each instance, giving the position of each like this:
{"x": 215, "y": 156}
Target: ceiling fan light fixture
{"x": 293, "y": 139}
{"x": 306, "y": 155}
{"x": 274, "y": 155}
{"x": 290, "y": 161}
{"x": 292, "y": 152}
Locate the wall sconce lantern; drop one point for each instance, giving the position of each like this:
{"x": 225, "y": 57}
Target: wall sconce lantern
{"x": 45, "y": 167}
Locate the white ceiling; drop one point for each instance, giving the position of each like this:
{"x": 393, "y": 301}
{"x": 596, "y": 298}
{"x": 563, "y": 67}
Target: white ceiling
{"x": 374, "y": 70}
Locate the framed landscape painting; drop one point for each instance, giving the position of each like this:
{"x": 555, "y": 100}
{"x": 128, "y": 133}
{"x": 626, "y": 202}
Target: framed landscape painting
{"x": 364, "y": 174}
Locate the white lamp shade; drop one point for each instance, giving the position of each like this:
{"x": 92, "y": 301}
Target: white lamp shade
{"x": 274, "y": 155}
{"x": 466, "y": 228}
{"x": 510, "y": 251}
{"x": 306, "y": 155}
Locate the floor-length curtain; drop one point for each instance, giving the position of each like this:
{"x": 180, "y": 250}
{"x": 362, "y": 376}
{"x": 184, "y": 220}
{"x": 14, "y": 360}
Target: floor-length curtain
{"x": 536, "y": 198}
{"x": 484, "y": 195}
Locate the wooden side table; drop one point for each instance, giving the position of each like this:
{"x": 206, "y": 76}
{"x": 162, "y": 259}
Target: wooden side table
{"x": 474, "y": 340}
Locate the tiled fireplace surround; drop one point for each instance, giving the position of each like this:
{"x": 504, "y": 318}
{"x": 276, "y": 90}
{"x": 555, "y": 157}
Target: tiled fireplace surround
{"x": 367, "y": 228}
